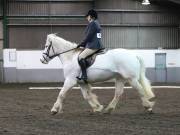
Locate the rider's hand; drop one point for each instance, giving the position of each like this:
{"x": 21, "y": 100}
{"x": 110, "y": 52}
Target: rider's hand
{"x": 79, "y": 45}
{"x": 82, "y": 44}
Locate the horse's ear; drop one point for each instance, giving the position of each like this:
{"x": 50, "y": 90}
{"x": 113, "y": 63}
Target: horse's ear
{"x": 51, "y": 42}
{"x": 48, "y": 36}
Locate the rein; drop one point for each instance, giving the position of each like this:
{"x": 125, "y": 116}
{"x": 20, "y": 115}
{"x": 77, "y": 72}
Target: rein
{"x": 49, "y": 47}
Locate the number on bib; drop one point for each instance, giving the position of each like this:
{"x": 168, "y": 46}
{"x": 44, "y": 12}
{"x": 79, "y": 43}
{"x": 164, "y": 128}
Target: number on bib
{"x": 98, "y": 35}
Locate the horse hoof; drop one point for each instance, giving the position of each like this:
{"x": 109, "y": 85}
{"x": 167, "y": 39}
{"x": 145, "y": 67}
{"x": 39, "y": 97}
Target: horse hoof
{"x": 149, "y": 110}
{"x": 54, "y": 112}
{"x": 99, "y": 110}
{"x": 108, "y": 111}
{"x": 96, "y": 113}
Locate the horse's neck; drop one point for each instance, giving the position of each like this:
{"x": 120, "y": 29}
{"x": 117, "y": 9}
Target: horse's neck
{"x": 62, "y": 46}
{"x": 69, "y": 57}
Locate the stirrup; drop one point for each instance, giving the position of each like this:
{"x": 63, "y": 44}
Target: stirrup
{"x": 80, "y": 80}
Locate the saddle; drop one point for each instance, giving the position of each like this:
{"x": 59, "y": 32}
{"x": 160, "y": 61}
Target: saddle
{"x": 91, "y": 58}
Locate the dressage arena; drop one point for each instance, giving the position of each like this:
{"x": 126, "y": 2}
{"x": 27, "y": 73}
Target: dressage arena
{"x": 25, "y": 111}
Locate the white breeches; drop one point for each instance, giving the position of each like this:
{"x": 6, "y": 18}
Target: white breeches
{"x": 86, "y": 53}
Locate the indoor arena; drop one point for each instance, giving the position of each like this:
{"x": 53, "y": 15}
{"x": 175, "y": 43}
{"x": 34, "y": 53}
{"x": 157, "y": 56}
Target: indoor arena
{"x": 133, "y": 83}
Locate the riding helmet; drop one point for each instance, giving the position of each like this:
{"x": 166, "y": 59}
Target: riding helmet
{"x": 92, "y": 13}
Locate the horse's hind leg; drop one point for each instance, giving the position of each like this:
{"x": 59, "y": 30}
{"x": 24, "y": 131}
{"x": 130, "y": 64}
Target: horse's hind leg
{"x": 145, "y": 102}
{"x": 91, "y": 98}
{"x": 118, "y": 92}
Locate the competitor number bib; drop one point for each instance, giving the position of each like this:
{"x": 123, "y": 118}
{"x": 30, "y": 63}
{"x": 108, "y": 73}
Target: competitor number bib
{"x": 98, "y": 35}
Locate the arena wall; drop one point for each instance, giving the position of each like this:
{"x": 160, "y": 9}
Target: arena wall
{"x": 25, "y": 66}
{"x": 125, "y": 23}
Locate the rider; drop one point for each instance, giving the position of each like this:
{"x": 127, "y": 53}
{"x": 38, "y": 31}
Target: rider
{"x": 91, "y": 43}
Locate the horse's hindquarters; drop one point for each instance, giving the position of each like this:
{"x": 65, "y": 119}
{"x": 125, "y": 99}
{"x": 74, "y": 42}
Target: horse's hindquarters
{"x": 100, "y": 75}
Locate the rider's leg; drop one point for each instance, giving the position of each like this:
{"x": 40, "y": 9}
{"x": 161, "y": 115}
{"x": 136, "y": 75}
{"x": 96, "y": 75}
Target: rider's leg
{"x": 82, "y": 62}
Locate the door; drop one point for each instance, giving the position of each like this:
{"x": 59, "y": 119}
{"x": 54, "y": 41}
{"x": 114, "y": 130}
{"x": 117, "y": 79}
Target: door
{"x": 160, "y": 67}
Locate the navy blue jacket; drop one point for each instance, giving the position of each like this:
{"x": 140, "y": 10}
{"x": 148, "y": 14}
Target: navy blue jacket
{"x": 92, "y": 38}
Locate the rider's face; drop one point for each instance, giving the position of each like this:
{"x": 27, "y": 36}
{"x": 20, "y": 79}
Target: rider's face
{"x": 89, "y": 19}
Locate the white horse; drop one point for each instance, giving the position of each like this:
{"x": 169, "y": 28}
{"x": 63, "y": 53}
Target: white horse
{"x": 119, "y": 64}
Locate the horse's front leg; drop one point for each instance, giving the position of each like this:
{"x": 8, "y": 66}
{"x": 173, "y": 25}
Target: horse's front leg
{"x": 58, "y": 105}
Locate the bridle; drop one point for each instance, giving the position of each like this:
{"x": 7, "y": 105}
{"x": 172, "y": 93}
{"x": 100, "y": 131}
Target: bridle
{"x": 51, "y": 57}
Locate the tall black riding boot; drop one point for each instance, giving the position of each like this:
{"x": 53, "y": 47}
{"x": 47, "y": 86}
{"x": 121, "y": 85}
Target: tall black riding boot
{"x": 82, "y": 64}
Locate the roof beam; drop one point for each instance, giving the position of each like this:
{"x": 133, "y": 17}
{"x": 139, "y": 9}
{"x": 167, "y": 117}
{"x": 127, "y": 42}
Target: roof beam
{"x": 175, "y": 1}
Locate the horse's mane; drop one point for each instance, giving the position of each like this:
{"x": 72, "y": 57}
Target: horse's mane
{"x": 69, "y": 44}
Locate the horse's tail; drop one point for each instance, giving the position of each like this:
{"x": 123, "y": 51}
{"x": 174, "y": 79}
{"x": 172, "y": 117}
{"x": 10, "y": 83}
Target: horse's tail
{"x": 144, "y": 81}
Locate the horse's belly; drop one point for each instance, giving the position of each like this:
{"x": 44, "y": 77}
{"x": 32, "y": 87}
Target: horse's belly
{"x": 105, "y": 63}
{"x": 100, "y": 75}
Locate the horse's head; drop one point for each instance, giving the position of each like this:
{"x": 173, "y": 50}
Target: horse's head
{"x": 48, "y": 51}
{"x": 54, "y": 47}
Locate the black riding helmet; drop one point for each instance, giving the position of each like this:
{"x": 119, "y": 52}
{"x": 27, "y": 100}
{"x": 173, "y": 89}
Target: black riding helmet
{"x": 92, "y": 13}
